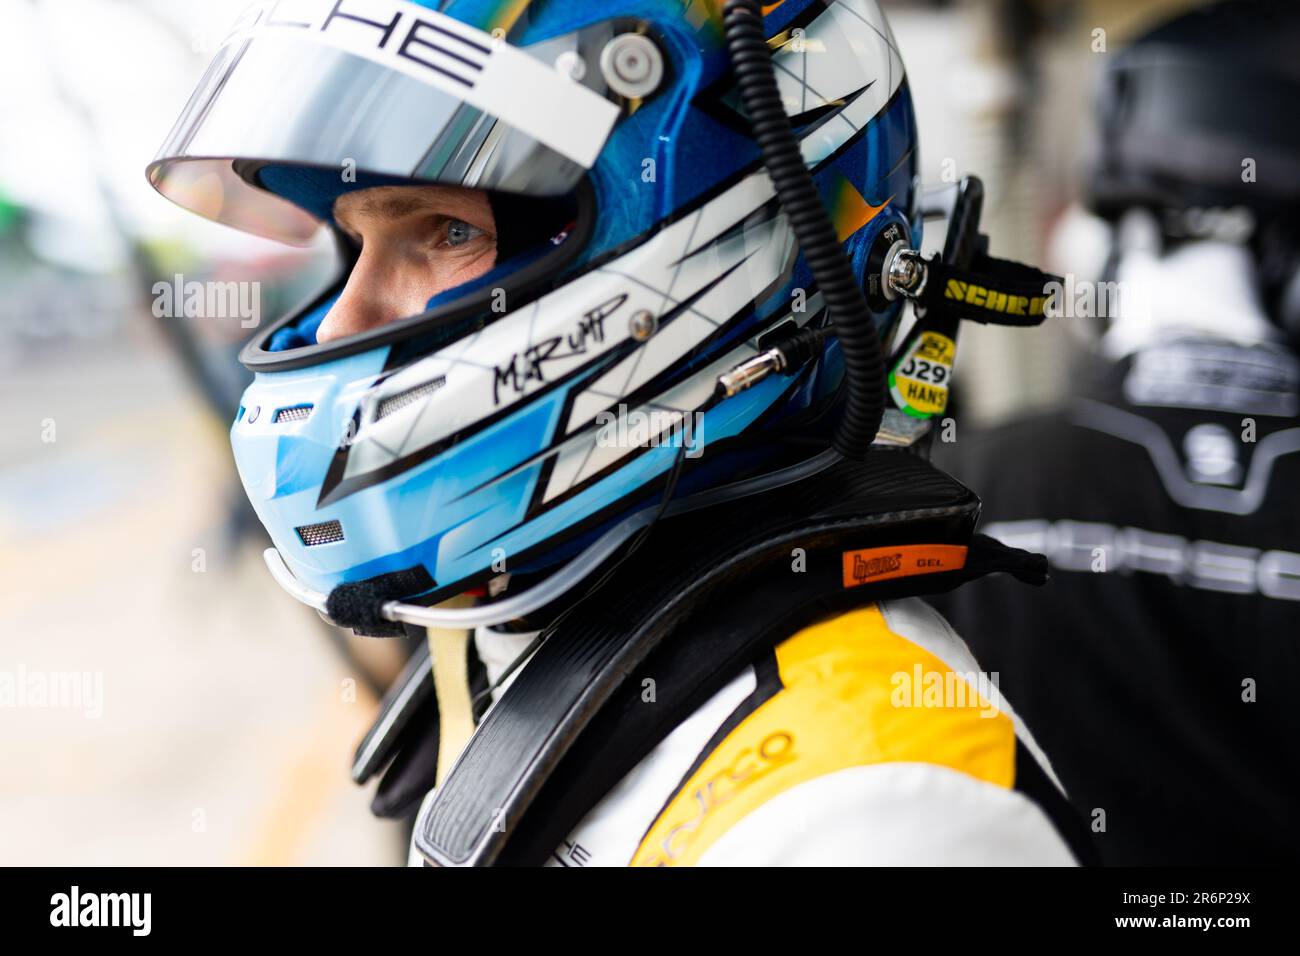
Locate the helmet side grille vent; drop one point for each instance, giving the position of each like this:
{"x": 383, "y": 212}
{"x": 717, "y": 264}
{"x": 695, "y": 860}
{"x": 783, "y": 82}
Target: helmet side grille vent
{"x": 404, "y": 399}
{"x": 298, "y": 413}
{"x": 327, "y": 532}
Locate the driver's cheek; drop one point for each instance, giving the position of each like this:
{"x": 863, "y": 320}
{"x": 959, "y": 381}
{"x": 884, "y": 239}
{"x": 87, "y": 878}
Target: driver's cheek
{"x": 385, "y": 285}
{"x": 388, "y": 284}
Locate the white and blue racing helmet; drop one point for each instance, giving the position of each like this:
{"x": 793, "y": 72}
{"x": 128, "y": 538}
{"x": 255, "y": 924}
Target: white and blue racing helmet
{"x": 642, "y": 254}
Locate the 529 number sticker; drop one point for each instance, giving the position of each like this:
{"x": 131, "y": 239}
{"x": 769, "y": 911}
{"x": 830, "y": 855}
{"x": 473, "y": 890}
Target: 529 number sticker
{"x": 919, "y": 382}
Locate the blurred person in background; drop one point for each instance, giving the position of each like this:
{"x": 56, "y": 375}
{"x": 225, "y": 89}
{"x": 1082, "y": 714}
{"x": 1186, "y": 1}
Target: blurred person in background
{"x": 544, "y": 214}
{"x": 1159, "y": 665}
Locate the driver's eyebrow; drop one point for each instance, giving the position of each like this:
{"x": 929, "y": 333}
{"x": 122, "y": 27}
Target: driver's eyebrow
{"x": 391, "y": 205}
{"x": 404, "y": 204}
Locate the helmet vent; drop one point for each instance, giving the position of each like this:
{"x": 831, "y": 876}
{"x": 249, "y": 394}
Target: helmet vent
{"x": 327, "y": 532}
{"x": 297, "y": 413}
{"x": 395, "y": 403}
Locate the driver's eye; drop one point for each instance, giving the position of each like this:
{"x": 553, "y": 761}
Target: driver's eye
{"x": 460, "y": 232}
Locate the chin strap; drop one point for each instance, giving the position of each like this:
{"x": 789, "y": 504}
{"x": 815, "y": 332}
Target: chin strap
{"x": 965, "y": 282}
{"x": 992, "y": 291}
{"x": 449, "y": 658}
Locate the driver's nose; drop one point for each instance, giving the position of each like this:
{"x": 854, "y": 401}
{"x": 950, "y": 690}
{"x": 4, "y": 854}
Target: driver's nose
{"x": 382, "y": 288}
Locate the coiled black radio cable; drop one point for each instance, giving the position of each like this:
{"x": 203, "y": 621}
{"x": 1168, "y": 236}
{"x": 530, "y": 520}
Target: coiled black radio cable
{"x": 864, "y": 365}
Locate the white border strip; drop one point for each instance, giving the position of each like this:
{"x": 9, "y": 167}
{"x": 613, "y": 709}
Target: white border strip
{"x": 512, "y": 86}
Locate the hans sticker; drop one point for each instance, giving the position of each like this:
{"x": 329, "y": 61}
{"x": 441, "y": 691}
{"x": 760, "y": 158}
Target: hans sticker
{"x": 919, "y": 382}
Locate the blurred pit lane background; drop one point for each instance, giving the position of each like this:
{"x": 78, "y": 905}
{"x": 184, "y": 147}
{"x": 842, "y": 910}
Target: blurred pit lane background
{"x": 226, "y": 715}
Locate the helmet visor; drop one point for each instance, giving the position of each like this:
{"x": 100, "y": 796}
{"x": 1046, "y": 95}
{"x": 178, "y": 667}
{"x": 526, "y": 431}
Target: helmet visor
{"x": 383, "y": 87}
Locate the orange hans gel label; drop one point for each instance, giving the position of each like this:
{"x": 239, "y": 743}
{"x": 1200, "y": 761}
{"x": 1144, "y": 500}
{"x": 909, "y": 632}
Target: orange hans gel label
{"x": 884, "y": 564}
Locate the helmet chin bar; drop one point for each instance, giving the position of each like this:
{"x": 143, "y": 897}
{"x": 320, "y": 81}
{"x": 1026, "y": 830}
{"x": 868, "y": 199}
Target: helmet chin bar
{"x": 487, "y": 615}
{"x": 562, "y": 581}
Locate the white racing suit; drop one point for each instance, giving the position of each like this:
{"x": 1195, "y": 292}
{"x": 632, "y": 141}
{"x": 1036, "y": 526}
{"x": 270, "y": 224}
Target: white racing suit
{"x": 871, "y": 738}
